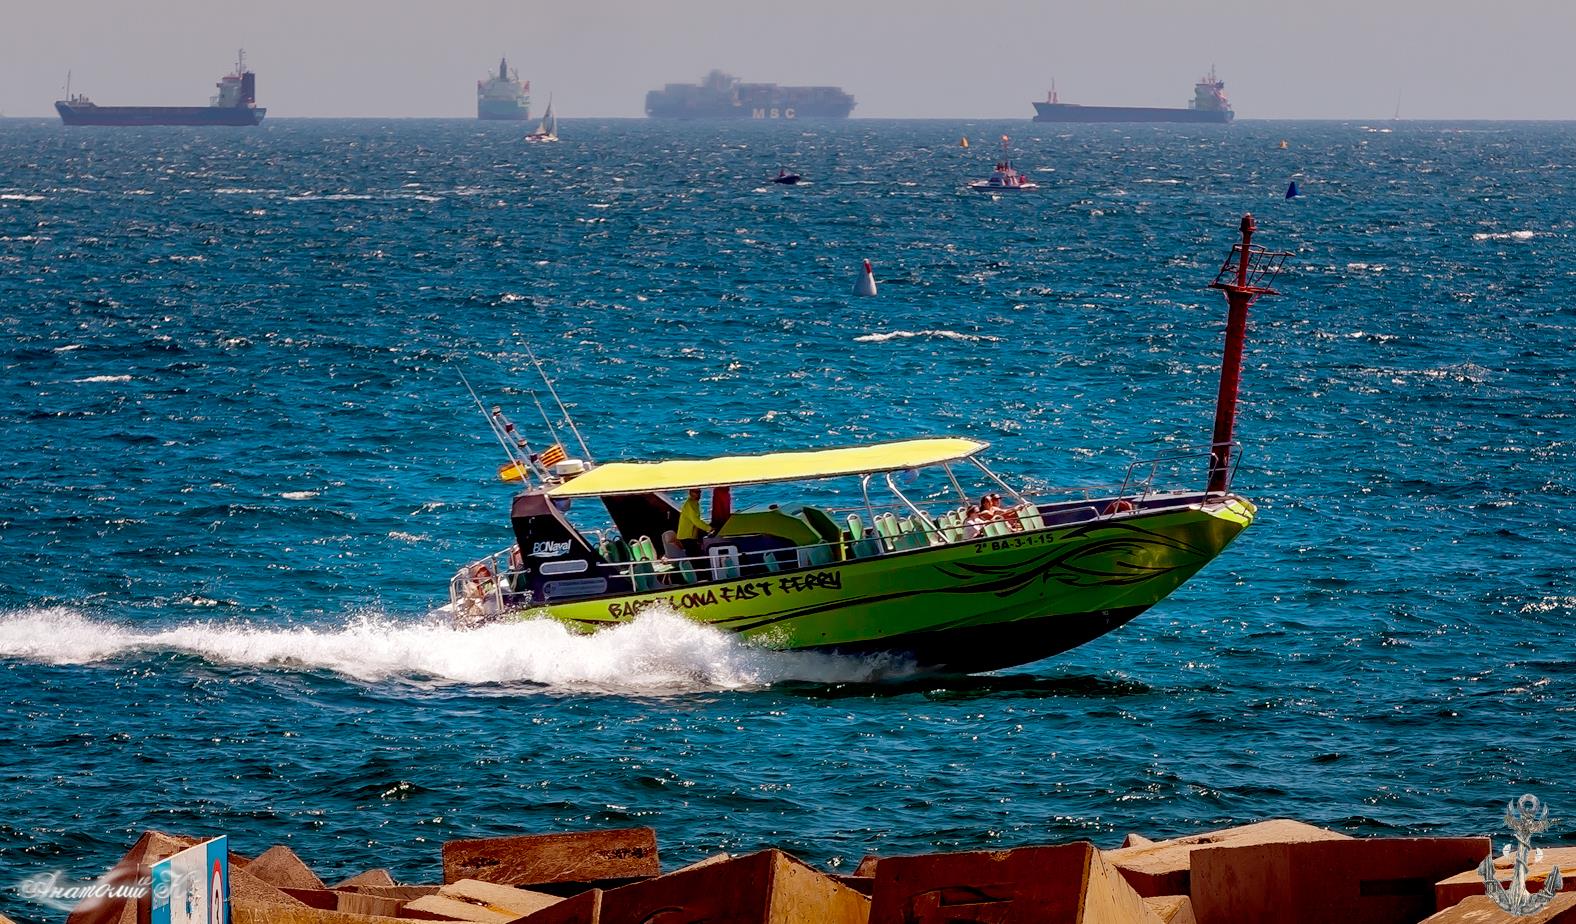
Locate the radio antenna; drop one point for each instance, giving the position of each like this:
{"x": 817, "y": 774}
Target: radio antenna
{"x": 546, "y": 422}
{"x": 559, "y": 401}
{"x": 502, "y": 431}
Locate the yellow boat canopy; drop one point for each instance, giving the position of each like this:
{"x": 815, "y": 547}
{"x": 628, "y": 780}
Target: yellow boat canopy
{"x": 679, "y": 474}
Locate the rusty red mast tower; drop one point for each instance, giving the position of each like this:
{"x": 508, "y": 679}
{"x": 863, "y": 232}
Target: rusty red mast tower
{"x": 1243, "y": 277}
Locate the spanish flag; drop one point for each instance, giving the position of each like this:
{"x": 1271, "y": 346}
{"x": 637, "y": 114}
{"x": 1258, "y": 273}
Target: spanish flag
{"x": 552, "y": 455}
{"x": 511, "y": 471}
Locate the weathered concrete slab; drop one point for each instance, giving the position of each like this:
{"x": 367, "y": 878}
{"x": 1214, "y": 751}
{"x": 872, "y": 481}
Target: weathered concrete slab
{"x": 1351, "y": 881}
{"x": 769, "y": 887}
{"x": 585, "y": 908}
{"x": 1480, "y": 909}
{"x": 1162, "y": 867}
{"x": 1066, "y": 882}
{"x": 1171, "y": 909}
{"x": 585, "y": 856}
{"x": 301, "y": 914}
{"x": 490, "y": 895}
{"x": 246, "y": 888}
{"x": 440, "y": 908}
{"x": 323, "y": 899}
{"x": 401, "y": 892}
{"x": 356, "y": 903}
{"x": 714, "y": 858}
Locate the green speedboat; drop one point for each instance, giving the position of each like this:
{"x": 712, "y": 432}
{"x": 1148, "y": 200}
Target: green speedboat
{"x": 899, "y": 556}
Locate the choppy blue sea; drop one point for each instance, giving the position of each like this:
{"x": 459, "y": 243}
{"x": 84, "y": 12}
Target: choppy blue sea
{"x": 239, "y": 467}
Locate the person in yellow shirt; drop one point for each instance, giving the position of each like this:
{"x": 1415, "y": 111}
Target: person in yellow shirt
{"x": 692, "y": 526}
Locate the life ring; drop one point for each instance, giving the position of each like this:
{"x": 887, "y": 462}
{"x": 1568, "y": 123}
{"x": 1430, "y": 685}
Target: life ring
{"x": 1120, "y": 505}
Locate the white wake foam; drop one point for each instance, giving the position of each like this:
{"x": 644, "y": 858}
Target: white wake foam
{"x": 944, "y": 334}
{"x": 659, "y": 652}
{"x": 1504, "y": 236}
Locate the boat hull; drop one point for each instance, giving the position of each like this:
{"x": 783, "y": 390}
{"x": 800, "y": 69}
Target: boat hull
{"x": 503, "y": 110}
{"x": 964, "y": 607}
{"x": 78, "y": 114}
{"x": 1070, "y": 112}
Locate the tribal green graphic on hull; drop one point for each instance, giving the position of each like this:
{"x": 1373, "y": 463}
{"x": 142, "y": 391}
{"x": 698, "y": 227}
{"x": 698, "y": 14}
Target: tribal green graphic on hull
{"x": 1103, "y": 572}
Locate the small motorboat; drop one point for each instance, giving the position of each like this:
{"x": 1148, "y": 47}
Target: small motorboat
{"x": 1004, "y": 178}
{"x": 786, "y": 178}
{"x": 905, "y": 559}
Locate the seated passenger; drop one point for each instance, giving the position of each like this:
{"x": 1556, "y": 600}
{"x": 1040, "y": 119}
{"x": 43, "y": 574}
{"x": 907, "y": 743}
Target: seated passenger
{"x": 973, "y": 523}
{"x": 991, "y": 509}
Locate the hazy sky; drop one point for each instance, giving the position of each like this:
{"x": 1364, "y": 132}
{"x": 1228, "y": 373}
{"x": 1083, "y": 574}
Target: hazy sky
{"x": 1508, "y": 59}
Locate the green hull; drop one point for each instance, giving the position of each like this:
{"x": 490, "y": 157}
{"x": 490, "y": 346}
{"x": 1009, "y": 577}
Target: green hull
{"x": 969, "y": 606}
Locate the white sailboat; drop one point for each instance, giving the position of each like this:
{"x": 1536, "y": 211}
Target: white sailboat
{"x": 547, "y": 129}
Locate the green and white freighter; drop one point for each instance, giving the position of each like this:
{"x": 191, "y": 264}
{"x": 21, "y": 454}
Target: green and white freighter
{"x": 914, "y": 567}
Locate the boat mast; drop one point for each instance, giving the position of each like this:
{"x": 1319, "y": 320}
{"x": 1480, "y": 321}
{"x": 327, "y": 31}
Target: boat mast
{"x": 1242, "y": 277}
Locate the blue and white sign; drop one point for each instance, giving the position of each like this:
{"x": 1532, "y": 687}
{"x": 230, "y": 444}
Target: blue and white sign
{"x": 193, "y": 886}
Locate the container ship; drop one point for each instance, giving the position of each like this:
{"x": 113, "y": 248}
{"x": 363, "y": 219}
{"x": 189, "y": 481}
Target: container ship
{"x": 1209, "y": 104}
{"x": 236, "y": 104}
{"x": 723, "y": 96}
{"x": 503, "y": 97}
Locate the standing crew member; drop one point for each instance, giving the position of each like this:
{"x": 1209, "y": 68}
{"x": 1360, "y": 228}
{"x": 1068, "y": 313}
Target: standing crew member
{"x": 692, "y": 526}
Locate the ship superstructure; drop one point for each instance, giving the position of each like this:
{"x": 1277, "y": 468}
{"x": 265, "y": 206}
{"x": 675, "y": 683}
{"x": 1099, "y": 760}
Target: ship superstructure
{"x": 1208, "y": 105}
{"x": 234, "y": 104}
{"x": 503, "y": 96}
{"x": 723, "y": 96}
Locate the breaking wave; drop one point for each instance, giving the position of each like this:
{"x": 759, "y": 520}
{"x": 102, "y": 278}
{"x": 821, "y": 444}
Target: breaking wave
{"x": 1504, "y": 236}
{"x": 659, "y": 652}
{"x": 943, "y": 334}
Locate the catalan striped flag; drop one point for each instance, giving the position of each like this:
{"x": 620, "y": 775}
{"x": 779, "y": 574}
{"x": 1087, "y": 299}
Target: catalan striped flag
{"x": 552, "y": 455}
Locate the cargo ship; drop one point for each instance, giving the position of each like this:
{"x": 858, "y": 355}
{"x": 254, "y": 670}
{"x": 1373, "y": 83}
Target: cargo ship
{"x": 503, "y": 97}
{"x": 723, "y": 96}
{"x": 1209, "y": 105}
{"x": 235, "y": 104}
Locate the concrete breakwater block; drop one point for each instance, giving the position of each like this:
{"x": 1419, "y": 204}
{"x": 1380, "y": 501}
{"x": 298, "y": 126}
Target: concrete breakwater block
{"x": 1065, "y": 883}
{"x": 585, "y": 908}
{"x": 1157, "y": 868}
{"x": 1171, "y": 909}
{"x": 404, "y": 893}
{"x": 1450, "y": 892}
{"x": 1480, "y": 909}
{"x": 372, "y": 877}
{"x": 246, "y": 889}
{"x": 542, "y": 859}
{"x": 769, "y": 887}
{"x": 475, "y": 900}
{"x": 301, "y": 914}
{"x": 279, "y": 866}
{"x": 1352, "y": 881}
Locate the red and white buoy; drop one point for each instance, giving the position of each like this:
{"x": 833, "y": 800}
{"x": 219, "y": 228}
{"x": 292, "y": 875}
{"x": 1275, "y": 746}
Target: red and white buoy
{"x": 867, "y": 281}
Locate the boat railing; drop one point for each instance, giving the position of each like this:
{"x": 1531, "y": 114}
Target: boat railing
{"x": 484, "y": 588}
{"x": 1141, "y": 474}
